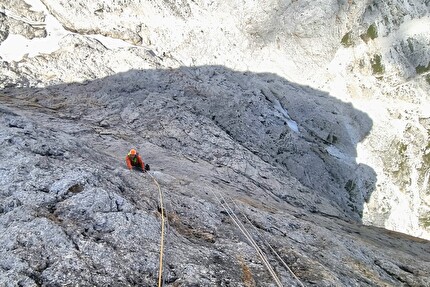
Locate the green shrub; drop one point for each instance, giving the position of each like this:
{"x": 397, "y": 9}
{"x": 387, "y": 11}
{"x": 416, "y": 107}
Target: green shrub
{"x": 347, "y": 40}
{"x": 425, "y": 221}
{"x": 377, "y": 66}
{"x": 426, "y": 157}
{"x": 422, "y": 69}
{"x": 372, "y": 31}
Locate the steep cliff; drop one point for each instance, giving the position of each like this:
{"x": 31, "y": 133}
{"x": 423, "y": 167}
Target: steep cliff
{"x": 268, "y": 173}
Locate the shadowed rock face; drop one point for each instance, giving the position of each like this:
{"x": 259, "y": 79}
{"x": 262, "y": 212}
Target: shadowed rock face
{"x": 219, "y": 116}
{"x": 221, "y": 142}
{"x": 215, "y": 138}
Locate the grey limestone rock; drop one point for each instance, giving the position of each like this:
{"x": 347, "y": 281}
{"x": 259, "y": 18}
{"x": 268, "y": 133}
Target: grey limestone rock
{"x": 257, "y": 172}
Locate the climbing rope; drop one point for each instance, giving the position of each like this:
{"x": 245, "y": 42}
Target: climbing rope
{"x": 221, "y": 199}
{"x": 248, "y": 236}
{"x": 270, "y": 246}
{"x": 160, "y": 272}
{"x": 260, "y": 252}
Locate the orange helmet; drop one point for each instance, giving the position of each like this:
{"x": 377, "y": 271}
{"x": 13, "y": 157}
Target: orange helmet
{"x": 132, "y": 152}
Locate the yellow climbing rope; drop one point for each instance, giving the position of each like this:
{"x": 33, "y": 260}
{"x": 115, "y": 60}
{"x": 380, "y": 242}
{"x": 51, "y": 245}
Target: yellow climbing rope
{"x": 235, "y": 219}
{"x": 160, "y": 272}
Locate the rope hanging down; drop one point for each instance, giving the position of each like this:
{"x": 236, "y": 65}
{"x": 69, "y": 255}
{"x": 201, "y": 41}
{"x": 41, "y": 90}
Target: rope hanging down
{"x": 270, "y": 246}
{"x": 248, "y": 236}
{"x": 242, "y": 228}
{"x": 160, "y": 272}
{"x": 238, "y": 223}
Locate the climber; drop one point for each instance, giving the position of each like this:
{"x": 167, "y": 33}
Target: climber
{"x": 134, "y": 160}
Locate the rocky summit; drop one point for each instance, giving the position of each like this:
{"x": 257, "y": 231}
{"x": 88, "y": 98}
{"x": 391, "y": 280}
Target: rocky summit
{"x": 259, "y": 174}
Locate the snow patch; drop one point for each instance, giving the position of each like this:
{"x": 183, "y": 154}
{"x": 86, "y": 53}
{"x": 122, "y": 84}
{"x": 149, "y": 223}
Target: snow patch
{"x": 408, "y": 29}
{"x": 112, "y": 43}
{"x": 416, "y": 26}
{"x": 290, "y": 122}
{"x": 334, "y": 151}
{"x": 16, "y": 47}
{"x": 36, "y": 5}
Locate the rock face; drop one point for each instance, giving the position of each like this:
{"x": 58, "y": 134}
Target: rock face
{"x": 72, "y": 213}
{"x": 391, "y": 83}
{"x": 260, "y": 177}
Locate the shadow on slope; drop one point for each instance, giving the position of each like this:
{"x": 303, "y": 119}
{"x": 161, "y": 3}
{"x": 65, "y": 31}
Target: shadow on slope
{"x": 260, "y": 125}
